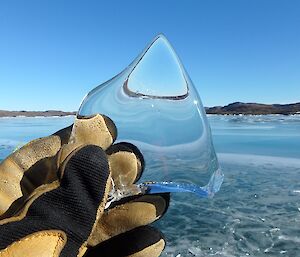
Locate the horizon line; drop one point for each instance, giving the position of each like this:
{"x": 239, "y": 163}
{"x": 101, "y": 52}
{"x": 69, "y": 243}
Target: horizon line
{"x": 56, "y": 110}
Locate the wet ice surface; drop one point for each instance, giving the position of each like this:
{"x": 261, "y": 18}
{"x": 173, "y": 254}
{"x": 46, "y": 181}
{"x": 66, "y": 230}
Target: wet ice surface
{"x": 256, "y": 212}
{"x": 14, "y": 132}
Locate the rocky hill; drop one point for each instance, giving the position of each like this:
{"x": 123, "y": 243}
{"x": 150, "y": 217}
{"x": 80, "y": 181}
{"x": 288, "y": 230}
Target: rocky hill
{"x": 255, "y": 109}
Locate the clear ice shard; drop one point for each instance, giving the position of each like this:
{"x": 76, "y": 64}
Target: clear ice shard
{"x": 156, "y": 107}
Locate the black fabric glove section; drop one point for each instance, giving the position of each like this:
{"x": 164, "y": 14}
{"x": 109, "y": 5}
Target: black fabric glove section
{"x": 71, "y": 208}
{"x": 127, "y": 243}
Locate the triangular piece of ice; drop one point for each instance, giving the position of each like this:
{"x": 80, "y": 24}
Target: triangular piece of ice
{"x": 155, "y": 106}
{"x": 158, "y": 73}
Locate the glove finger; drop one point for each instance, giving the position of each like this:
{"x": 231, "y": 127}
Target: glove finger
{"x": 37, "y": 162}
{"x": 140, "y": 242}
{"x": 128, "y": 214}
{"x": 97, "y": 130}
{"x": 126, "y": 163}
{"x": 72, "y": 207}
{"x": 93, "y": 130}
{"x": 32, "y": 165}
{"x": 29, "y": 167}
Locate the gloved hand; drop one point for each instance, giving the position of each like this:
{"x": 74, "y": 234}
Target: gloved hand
{"x": 53, "y": 194}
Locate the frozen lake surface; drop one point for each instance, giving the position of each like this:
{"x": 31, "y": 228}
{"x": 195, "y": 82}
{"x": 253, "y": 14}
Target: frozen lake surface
{"x": 256, "y": 212}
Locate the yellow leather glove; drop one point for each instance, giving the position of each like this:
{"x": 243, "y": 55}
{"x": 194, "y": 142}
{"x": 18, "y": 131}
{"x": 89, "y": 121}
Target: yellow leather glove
{"x": 52, "y": 197}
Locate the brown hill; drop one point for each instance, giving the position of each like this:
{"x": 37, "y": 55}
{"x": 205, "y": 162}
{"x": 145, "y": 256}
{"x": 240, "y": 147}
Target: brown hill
{"x": 255, "y": 109}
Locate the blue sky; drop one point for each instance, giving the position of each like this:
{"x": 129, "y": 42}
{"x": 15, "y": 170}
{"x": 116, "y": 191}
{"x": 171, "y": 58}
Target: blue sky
{"x": 53, "y": 52}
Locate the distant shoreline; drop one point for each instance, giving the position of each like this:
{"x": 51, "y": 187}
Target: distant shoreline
{"x": 254, "y": 109}
{"x": 230, "y": 109}
{"x": 49, "y": 113}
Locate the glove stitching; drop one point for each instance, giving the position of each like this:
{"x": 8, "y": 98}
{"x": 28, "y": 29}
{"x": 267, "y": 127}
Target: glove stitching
{"x": 60, "y": 238}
